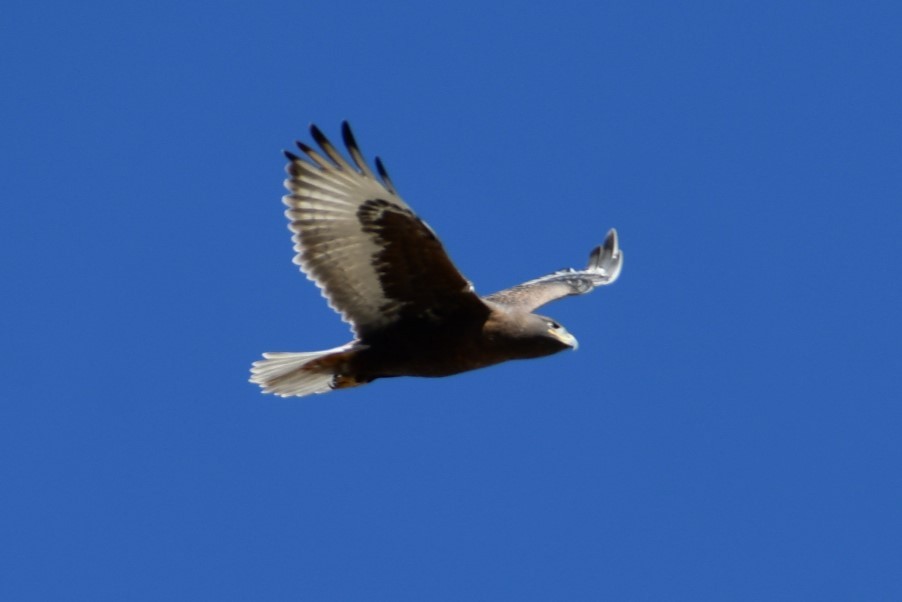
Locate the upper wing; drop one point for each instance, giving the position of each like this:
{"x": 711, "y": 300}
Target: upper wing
{"x": 373, "y": 258}
{"x": 605, "y": 263}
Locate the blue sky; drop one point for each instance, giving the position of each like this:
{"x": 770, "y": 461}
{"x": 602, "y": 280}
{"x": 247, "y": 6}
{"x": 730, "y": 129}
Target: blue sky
{"x": 728, "y": 430}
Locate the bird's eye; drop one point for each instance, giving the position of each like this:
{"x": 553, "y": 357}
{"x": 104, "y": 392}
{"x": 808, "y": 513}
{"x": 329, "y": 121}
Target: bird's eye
{"x": 554, "y": 325}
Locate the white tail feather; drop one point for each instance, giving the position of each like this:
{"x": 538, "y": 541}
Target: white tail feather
{"x": 283, "y": 373}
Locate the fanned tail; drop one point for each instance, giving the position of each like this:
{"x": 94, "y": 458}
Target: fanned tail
{"x": 300, "y": 374}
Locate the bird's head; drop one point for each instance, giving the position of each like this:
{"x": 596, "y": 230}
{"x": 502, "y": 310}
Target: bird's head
{"x": 528, "y": 335}
{"x": 557, "y": 333}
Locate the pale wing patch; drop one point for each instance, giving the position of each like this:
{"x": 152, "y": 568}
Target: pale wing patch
{"x": 331, "y": 245}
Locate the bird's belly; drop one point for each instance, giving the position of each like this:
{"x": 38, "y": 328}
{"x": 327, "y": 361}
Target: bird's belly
{"x": 438, "y": 357}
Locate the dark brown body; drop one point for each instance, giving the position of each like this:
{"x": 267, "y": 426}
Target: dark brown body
{"x": 425, "y": 348}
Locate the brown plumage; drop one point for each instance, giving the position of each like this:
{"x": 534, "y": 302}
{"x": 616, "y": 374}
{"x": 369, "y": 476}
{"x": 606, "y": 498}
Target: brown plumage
{"x": 386, "y": 272}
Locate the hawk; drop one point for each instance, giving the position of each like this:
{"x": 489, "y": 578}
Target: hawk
{"x": 386, "y": 272}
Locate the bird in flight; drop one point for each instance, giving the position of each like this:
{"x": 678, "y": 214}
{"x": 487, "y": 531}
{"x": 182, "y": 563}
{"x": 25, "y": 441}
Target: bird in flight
{"x": 386, "y": 272}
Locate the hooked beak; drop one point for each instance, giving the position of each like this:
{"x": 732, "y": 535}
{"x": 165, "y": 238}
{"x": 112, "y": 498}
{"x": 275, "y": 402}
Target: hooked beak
{"x": 565, "y": 337}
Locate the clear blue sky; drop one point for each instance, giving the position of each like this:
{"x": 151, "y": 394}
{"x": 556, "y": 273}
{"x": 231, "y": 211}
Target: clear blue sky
{"x": 728, "y": 430}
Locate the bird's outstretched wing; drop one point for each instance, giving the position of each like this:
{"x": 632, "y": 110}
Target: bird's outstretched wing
{"x": 373, "y": 258}
{"x": 605, "y": 263}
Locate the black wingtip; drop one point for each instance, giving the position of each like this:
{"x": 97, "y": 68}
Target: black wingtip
{"x": 348, "y": 136}
{"x": 291, "y": 156}
{"x": 380, "y": 169}
{"x": 318, "y": 135}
